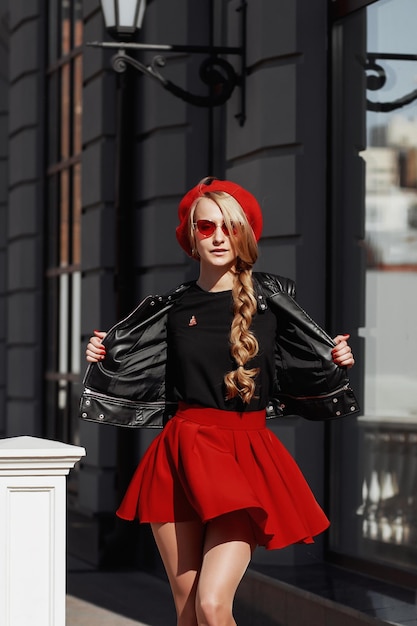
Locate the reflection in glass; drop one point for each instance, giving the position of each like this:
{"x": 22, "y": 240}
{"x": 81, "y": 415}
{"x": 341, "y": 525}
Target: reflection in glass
{"x": 374, "y": 457}
{"x": 388, "y": 427}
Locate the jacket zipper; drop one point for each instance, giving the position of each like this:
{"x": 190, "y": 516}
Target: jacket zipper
{"x": 321, "y": 396}
{"x": 115, "y": 399}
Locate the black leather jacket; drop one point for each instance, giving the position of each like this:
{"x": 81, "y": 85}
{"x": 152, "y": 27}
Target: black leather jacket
{"x": 128, "y": 388}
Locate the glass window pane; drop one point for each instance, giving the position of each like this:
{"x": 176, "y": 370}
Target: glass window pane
{"x": 78, "y": 107}
{"x": 77, "y": 23}
{"x": 65, "y": 27}
{"x": 390, "y": 421}
{"x": 66, "y": 111}
{"x": 76, "y": 214}
{"x": 63, "y": 220}
{"x": 75, "y": 322}
{"x": 376, "y": 517}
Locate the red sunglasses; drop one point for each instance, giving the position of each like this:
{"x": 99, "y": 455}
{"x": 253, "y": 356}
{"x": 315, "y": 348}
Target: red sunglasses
{"x": 207, "y": 228}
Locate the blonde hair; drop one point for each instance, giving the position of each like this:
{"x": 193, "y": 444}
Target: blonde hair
{"x": 243, "y": 343}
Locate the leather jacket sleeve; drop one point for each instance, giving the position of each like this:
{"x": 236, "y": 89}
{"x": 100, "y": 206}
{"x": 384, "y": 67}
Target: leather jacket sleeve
{"x": 129, "y": 388}
{"x": 308, "y": 382}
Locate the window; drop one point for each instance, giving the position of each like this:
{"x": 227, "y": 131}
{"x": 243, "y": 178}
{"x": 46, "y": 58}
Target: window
{"x": 63, "y": 213}
{"x": 374, "y": 497}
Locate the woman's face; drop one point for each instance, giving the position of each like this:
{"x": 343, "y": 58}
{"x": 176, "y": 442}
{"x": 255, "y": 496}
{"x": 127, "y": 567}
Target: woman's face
{"x": 215, "y": 249}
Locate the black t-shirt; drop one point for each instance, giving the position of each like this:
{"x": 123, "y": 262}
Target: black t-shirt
{"x": 199, "y": 351}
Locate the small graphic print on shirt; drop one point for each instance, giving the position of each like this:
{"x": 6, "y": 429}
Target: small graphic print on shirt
{"x": 192, "y": 321}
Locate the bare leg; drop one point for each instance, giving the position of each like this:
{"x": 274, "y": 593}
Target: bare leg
{"x": 228, "y": 547}
{"x": 181, "y": 547}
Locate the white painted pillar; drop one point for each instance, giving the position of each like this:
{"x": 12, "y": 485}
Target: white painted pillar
{"x": 33, "y": 530}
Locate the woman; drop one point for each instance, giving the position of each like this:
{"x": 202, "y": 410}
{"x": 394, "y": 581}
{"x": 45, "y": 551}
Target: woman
{"x": 216, "y": 482}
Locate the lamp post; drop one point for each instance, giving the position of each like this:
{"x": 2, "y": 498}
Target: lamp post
{"x": 124, "y": 17}
{"x": 122, "y": 20}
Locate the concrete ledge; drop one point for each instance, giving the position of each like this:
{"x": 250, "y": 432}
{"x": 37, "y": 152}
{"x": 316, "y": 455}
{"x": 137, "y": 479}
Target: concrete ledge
{"x": 265, "y": 601}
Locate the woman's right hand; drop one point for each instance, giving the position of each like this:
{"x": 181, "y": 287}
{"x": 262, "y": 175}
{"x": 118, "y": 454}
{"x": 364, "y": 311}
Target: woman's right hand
{"x": 95, "y": 350}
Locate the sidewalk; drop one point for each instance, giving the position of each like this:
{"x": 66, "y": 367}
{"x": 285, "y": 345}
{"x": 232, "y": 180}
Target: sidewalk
{"x": 103, "y": 598}
{"x": 321, "y": 595}
{"x": 80, "y": 613}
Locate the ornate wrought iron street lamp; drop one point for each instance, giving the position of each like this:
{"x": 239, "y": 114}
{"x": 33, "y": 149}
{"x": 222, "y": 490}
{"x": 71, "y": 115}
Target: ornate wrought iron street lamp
{"x": 124, "y": 17}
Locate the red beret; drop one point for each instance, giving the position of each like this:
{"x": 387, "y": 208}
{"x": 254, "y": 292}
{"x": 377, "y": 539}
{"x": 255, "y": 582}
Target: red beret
{"x": 247, "y": 201}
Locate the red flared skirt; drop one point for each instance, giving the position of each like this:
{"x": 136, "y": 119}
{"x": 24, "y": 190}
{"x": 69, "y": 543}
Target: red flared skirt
{"x": 208, "y": 462}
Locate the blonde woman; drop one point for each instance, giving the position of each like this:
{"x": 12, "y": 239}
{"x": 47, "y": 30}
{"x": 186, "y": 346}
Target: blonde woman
{"x": 216, "y": 482}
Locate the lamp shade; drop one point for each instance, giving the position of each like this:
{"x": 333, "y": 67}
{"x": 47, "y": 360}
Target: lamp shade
{"x": 123, "y": 17}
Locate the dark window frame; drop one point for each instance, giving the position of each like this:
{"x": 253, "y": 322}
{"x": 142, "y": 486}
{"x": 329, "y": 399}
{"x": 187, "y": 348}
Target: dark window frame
{"x": 342, "y": 8}
{"x": 63, "y": 213}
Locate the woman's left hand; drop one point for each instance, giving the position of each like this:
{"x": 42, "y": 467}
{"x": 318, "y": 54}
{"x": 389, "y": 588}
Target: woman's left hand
{"x": 342, "y": 352}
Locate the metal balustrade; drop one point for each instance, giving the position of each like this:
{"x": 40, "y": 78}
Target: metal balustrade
{"x": 389, "y": 487}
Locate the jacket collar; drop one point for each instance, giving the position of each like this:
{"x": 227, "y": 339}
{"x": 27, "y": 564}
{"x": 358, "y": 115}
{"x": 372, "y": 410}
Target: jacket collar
{"x": 265, "y": 285}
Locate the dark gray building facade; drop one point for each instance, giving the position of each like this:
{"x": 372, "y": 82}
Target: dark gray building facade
{"x": 92, "y": 166}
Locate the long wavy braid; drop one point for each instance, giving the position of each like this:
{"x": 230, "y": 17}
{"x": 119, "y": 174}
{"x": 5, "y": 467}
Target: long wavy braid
{"x": 243, "y": 343}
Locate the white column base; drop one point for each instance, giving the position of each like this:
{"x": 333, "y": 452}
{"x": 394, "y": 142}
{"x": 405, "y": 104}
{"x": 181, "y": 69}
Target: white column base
{"x": 33, "y": 530}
